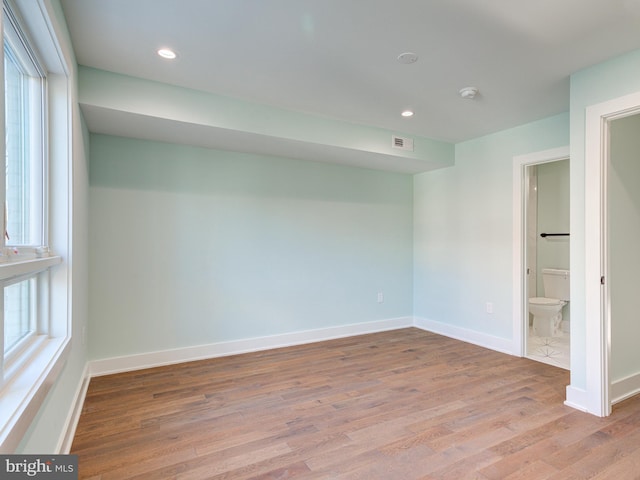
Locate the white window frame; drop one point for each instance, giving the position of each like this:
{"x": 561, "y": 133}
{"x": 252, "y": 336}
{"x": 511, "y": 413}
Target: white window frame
{"x": 27, "y": 374}
{"x": 17, "y": 38}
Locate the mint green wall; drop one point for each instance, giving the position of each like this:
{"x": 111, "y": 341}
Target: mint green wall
{"x": 463, "y": 229}
{"x": 611, "y": 79}
{"x": 191, "y": 246}
{"x": 624, "y": 255}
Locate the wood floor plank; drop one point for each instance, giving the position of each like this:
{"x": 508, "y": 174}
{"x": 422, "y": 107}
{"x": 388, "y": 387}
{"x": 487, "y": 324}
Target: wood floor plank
{"x": 404, "y": 404}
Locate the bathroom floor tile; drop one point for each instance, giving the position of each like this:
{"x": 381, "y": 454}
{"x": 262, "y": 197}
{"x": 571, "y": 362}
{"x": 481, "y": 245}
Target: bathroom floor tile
{"x": 549, "y": 350}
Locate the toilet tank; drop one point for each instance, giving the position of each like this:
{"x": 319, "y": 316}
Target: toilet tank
{"x": 556, "y": 283}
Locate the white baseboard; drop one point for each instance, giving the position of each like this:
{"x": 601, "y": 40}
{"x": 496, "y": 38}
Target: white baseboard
{"x": 200, "y": 352}
{"x": 71, "y": 422}
{"x": 620, "y": 390}
{"x": 625, "y": 388}
{"x": 576, "y": 398}
{"x": 502, "y": 345}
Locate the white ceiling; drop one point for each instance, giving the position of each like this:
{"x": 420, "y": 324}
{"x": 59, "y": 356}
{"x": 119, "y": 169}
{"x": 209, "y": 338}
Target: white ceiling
{"x": 337, "y": 58}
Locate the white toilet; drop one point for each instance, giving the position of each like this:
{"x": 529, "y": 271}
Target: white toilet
{"x": 547, "y": 310}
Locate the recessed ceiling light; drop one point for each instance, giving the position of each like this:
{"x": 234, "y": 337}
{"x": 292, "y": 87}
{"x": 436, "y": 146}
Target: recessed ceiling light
{"x": 407, "y": 113}
{"x": 167, "y": 53}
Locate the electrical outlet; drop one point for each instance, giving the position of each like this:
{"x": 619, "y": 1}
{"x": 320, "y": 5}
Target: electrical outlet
{"x": 489, "y": 307}
{"x": 380, "y": 297}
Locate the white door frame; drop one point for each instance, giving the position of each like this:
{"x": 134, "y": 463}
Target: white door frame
{"x": 598, "y": 327}
{"x": 520, "y": 296}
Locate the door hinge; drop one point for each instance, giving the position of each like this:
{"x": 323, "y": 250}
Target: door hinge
{"x": 602, "y": 280}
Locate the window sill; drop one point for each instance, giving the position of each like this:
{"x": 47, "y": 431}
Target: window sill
{"x": 17, "y": 266}
{"x": 22, "y": 397}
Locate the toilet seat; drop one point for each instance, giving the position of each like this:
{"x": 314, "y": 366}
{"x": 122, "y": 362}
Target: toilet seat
{"x": 545, "y": 301}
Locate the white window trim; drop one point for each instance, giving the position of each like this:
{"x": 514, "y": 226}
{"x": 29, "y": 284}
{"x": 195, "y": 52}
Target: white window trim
{"x": 22, "y": 396}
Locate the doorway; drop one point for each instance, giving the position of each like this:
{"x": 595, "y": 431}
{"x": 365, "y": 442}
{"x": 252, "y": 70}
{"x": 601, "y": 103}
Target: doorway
{"x": 548, "y": 321}
{"x": 536, "y": 213}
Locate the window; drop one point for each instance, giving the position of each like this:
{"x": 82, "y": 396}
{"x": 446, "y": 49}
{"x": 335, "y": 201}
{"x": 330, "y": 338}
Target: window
{"x": 25, "y": 164}
{"x": 24, "y": 193}
{"x": 19, "y": 317}
{"x": 25, "y": 115}
{"x": 34, "y": 326}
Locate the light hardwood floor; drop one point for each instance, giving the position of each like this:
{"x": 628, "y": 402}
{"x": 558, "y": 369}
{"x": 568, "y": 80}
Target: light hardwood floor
{"x": 397, "y": 405}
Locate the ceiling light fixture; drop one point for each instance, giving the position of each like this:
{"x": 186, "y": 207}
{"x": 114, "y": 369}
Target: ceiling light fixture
{"x": 469, "y": 92}
{"x": 407, "y": 58}
{"x": 407, "y": 113}
{"x": 167, "y": 53}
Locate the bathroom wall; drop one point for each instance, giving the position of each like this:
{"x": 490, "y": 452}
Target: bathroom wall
{"x": 532, "y": 230}
{"x": 553, "y": 217}
{"x": 624, "y": 254}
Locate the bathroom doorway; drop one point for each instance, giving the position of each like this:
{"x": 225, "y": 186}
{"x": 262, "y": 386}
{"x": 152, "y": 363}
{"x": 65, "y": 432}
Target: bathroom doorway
{"x": 548, "y": 320}
{"x": 541, "y": 242}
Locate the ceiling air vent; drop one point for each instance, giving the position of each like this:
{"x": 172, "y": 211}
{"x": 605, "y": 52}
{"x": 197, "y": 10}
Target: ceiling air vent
{"x": 402, "y": 143}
